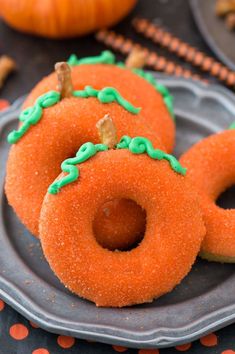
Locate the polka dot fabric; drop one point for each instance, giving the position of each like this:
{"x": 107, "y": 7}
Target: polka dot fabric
{"x": 20, "y": 336}
{"x": 3, "y": 104}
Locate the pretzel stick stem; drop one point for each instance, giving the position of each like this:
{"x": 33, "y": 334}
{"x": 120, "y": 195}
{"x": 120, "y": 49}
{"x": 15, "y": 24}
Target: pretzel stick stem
{"x": 136, "y": 59}
{"x": 65, "y": 85}
{"x": 107, "y": 131}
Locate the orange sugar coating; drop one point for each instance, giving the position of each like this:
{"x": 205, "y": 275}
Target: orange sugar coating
{"x": 173, "y": 236}
{"x": 211, "y": 169}
{"x": 132, "y": 87}
{"x": 129, "y": 220}
{"x": 34, "y": 161}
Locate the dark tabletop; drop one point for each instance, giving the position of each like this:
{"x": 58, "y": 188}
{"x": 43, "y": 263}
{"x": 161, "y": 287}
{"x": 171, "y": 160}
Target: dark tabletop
{"x": 35, "y": 58}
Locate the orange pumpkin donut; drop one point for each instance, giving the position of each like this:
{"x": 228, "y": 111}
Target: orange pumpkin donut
{"x": 154, "y": 99}
{"x": 35, "y": 158}
{"x": 211, "y": 169}
{"x": 173, "y": 233}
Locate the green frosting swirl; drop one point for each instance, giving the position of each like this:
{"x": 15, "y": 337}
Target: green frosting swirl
{"x": 140, "y": 145}
{"x": 232, "y": 126}
{"x": 137, "y": 145}
{"x": 32, "y": 115}
{"x": 85, "y": 152}
{"x": 107, "y": 95}
{"x": 106, "y": 57}
{"x": 167, "y": 97}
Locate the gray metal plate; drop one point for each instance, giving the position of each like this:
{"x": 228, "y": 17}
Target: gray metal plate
{"x": 203, "y": 302}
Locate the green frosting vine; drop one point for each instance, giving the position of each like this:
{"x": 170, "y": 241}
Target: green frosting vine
{"x": 31, "y": 115}
{"x": 85, "y": 152}
{"x": 107, "y": 95}
{"x": 137, "y": 145}
{"x": 140, "y": 145}
{"x": 164, "y": 92}
{"x": 232, "y": 126}
{"x": 167, "y": 98}
{"x": 106, "y": 57}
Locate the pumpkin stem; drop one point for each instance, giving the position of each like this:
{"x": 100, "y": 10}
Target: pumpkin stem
{"x": 65, "y": 85}
{"x": 136, "y": 59}
{"x": 107, "y": 131}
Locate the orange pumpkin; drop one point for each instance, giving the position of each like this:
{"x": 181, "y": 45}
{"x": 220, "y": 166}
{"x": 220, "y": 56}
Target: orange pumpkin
{"x": 63, "y": 18}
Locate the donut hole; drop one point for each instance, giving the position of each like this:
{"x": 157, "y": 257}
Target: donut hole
{"x": 110, "y": 226}
{"x": 226, "y": 199}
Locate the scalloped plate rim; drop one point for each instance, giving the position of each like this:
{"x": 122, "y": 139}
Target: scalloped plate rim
{"x": 160, "y": 337}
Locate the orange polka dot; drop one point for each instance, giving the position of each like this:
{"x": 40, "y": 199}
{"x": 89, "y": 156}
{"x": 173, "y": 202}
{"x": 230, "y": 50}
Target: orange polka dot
{"x": 40, "y": 351}
{"x": 18, "y": 331}
{"x": 65, "y": 341}
{"x": 183, "y": 347}
{"x": 34, "y": 325}
{"x": 228, "y": 351}
{"x": 148, "y": 351}
{"x": 3, "y": 104}
{"x": 119, "y": 349}
{"x": 210, "y": 340}
{"x": 2, "y": 305}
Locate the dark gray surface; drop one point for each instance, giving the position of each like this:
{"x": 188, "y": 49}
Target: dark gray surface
{"x": 202, "y": 303}
{"x": 214, "y": 31}
{"x": 36, "y": 57}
